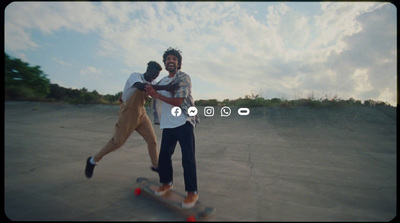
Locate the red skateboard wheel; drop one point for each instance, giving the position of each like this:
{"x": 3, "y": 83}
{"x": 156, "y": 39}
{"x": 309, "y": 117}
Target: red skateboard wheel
{"x": 138, "y": 191}
{"x": 191, "y": 219}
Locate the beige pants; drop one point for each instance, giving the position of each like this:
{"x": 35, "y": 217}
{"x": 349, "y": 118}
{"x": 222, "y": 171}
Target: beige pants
{"x": 132, "y": 116}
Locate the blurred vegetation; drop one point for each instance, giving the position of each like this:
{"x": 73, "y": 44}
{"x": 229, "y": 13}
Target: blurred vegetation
{"x": 26, "y": 83}
{"x": 23, "y": 81}
{"x": 258, "y": 101}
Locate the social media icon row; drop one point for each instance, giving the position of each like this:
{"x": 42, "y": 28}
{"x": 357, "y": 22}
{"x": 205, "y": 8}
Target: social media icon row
{"x": 209, "y": 111}
{"x": 225, "y": 111}
{"x": 177, "y": 111}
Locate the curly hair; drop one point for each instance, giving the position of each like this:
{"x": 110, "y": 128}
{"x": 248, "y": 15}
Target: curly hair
{"x": 174, "y": 52}
{"x": 153, "y": 65}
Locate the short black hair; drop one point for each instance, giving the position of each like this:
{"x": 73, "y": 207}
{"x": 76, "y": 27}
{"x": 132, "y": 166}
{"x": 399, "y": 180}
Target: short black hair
{"x": 153, "y": 66}
{"x": 174, "y": 52}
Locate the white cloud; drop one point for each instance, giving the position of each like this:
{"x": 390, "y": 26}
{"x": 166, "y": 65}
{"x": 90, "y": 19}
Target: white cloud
{"x": 362, "y": 82}
{"x": 347, "y": 48}
{"x": 372, "y": 49}
{"x": 90, "y": 71}
{"x": 61, "y": 62}
{"x": 16, "y": 39}
{"x": 23, "y": 17}
{"x": 387, "y": 95}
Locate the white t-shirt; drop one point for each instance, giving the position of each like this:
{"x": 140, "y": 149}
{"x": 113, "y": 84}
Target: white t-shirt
{"x": 167, "y": 119}
{"x": 129, "y": 89}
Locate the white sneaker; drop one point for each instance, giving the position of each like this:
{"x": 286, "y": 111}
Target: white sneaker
{"x": 163, "y": 189}
{"x": 190, "y": 200}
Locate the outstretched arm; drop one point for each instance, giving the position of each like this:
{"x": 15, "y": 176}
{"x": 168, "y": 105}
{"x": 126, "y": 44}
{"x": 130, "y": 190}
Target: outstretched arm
{"x": 153, "y": 93}
{"x": 168, "y": 87}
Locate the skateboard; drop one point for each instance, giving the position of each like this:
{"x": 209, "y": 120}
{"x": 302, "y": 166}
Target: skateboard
{"x": 173, "y": 199}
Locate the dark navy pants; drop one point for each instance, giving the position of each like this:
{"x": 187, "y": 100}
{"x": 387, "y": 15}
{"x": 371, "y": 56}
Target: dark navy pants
{"x": 185, "y": 136}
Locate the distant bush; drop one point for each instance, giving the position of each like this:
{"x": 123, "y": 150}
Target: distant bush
{"x": 210, "y": 102}
{"x": 257, "y": 101}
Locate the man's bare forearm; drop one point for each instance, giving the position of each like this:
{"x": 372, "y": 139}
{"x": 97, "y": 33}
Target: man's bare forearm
{"x": 172, "y": 101}
{"x": 160, "y": 87}
{"x": 141, "y": 86}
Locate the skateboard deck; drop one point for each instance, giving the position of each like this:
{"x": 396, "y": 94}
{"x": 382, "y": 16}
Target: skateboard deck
{"x": 173, "y": 199}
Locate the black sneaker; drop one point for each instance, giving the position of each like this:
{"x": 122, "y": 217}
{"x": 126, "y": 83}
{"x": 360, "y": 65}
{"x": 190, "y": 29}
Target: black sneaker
{"x": 154, "y": 169}
{"x": 89, "y": 168}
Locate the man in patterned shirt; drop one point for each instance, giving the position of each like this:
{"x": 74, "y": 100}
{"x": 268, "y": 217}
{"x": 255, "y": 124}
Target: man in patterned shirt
{"x": 176, "y": 128}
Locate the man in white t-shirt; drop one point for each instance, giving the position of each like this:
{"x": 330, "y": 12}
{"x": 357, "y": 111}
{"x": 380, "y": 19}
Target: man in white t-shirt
{"x": 132, "y": 116}
{"x": 176, "y": 128}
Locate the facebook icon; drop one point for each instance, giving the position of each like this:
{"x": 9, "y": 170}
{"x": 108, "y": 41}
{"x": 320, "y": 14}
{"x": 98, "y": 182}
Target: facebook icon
{"x": 176, "y": 111}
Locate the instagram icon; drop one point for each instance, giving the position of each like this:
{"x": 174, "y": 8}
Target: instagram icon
{"x": 208, "y": 111}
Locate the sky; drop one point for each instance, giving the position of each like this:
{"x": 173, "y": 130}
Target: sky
{"x": 286, "y": 50}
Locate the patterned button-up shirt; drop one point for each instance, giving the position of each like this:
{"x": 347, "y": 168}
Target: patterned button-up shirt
{"x": 184, "y": 91}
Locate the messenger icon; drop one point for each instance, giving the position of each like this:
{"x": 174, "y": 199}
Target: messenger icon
{"x": 192, "y": 111}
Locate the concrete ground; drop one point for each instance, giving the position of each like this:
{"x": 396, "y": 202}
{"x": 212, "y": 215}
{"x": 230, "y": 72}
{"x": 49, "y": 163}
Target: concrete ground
{"x": 277, "y": 164}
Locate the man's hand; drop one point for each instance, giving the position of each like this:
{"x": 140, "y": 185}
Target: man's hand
{"x": 151, "y": 91}
{"x": 140, "y": 86}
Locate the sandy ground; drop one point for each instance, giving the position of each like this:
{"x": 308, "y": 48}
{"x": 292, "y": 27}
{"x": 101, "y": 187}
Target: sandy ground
{"x": 277, "y": 164}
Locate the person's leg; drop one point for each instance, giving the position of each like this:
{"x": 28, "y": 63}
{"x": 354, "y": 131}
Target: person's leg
{"x": 145, "y": 129}
{"x": 128, "y": 120}
{"x": 187, "y": 142}
{"x": 165, "y": 170}
{"x": 168, "y": 144}
{"x": 122, "y": 130}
